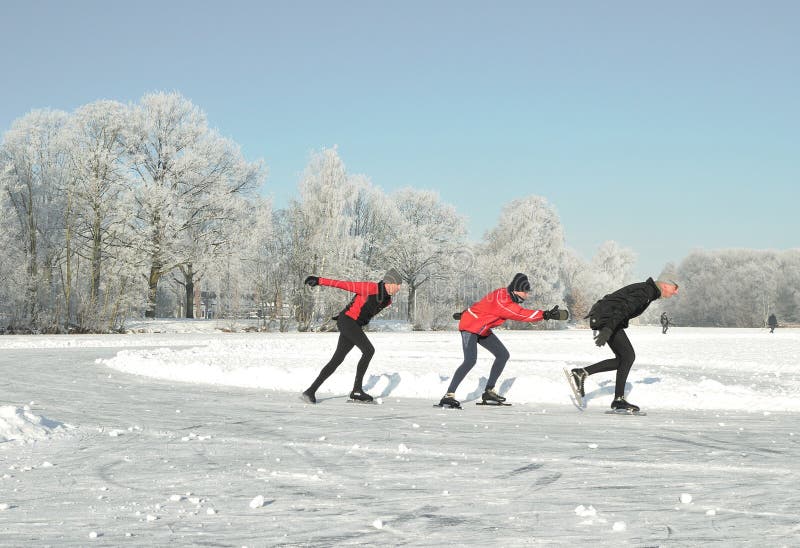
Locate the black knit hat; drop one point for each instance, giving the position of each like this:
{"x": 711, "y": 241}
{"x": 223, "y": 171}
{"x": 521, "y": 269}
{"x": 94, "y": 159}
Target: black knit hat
{"x": 519, "y": 283}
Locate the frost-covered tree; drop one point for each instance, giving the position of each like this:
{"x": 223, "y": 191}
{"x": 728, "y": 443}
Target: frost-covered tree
{"x": 611, "y": 268}
{"x": 425, "y": 240}
{"x": 263, "y": 251}
{"x": 787, "y": 297}
{"x": 321, "y": 227}
{"x": 370, "y": 213}
{"x": 95, "y": 220}
{"x": 217, "y": 215}
{"x": 261, "y": 259}
{"x": 186, "y": 178}
{"x": 33, "y": 172}
{"x": 575, "y": 273}
{"x": 528, "y": 238}
{"x": 13, "y": 275}
{"x": 733, "y": 287}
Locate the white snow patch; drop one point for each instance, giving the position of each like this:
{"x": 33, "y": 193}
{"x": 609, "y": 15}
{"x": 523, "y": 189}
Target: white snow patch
{"x": 21, "y": 424}
{"x": 585, "y": 512}
{"x": 257, "y": 502}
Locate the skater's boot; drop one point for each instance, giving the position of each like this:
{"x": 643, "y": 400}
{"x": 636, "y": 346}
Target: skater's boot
{"x": 489, "y": 395}
{"x": 578, "y": 378}
{"x": 360, "y": 395}
{"x": 620, "y": 404}
{"x": 449, "y": 400}
{"x": 309, "y": 397}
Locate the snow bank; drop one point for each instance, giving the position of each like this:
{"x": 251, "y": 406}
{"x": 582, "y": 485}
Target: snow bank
{"x": 175, "y": 332}
{"x": 690, "y": 368}
{"x": 180, "y": 325}
{"x": 20, "y": 424}
{"x": 185, "y": 326}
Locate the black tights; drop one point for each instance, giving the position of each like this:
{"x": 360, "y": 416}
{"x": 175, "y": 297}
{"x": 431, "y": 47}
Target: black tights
{"x": 621, "y": 362}
{"x": 350, "y": 334}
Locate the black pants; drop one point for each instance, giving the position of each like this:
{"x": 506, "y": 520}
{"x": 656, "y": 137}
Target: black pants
{"x": 621, "y": 362}
{"x": 469, "y": 343}
{"x": 350, "y": 334}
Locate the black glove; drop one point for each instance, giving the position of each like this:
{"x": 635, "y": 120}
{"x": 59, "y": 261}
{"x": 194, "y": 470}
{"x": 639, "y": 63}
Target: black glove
{"x": 602, "y": 336}
{"x": 555, "y": 314}
{"x": 457, "y": 315}
{"x": 312, "y": 281}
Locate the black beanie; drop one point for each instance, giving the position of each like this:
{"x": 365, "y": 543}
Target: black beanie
{"x": 519, "y": 283}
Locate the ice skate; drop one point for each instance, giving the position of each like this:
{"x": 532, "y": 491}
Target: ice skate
{"x": 490, "y": 397}
{"x": 576, "y": 378}
{"x": 579, "y": 377}
{"x": 309, "y": 397}
{"x": 359, "y": 396}
{"x": 620, "y": 406}
{"x": 449, "y": 401}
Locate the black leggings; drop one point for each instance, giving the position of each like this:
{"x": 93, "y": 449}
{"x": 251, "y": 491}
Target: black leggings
{"x": 622, "y": 362}
{"x": 350, "y": 334}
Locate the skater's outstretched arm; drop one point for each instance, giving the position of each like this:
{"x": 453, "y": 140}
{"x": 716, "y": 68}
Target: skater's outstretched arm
{"x": 359, "y": 288}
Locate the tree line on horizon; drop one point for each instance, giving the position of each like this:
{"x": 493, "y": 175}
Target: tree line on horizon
{"x": 122, "y": 211}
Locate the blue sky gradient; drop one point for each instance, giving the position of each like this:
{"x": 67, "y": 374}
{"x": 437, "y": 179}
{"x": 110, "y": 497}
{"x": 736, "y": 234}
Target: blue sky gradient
{"x": 667, "y": 127}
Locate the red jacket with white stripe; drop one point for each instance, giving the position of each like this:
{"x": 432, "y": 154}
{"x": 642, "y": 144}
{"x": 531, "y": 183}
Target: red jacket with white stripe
{"x": 370, "y": 298}
{"x": 494, "y": 309}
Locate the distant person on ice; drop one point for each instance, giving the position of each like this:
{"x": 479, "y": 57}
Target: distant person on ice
{"x": 664, "y": 323}
{"x": 608, "y": 318}
{"x": 772, "y": 322}
{"x": 476, "y": 324}
{"x": 370, "y": 298}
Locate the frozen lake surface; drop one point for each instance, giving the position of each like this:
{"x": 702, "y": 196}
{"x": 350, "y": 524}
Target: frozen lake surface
{"x": 199, "y": 438}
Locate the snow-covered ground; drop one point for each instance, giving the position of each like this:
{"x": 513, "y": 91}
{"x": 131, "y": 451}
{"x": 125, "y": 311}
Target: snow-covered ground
{"x": 199, "y": 438}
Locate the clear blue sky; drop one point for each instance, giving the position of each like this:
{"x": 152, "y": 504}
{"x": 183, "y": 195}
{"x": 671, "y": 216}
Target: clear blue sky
{"x": 666, "y": 126}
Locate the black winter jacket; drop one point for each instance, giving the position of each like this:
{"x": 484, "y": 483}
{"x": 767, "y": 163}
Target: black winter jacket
{"x": 615, "y": 309}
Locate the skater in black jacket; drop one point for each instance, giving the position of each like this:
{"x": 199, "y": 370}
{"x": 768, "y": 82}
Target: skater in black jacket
{"x": 608, "y": 318}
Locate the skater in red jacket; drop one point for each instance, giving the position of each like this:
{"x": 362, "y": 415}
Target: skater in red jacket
{"x": 370, "y": 298}
{"x": 476, "y": 324}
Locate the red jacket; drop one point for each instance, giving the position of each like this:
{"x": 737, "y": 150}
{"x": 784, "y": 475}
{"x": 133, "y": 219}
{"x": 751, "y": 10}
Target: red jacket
{"x": 494, "y": 309}
{"x": 371, "y": 298}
